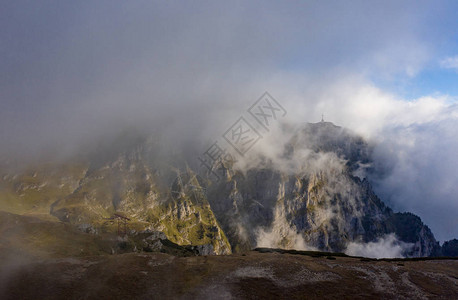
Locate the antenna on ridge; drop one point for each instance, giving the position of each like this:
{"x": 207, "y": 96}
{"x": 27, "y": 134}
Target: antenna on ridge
{"x": 322, "y": 118}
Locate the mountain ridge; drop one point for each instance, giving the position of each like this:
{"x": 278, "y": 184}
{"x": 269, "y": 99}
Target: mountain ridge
{"x": 321, "y": 204}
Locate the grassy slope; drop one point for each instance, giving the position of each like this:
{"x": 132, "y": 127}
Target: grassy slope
{"x": 34, "y": 237}
{"x": 74, "y": 196}
{"x": 34, "y": 190}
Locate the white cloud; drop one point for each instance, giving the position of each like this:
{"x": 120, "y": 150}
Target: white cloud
{"x": 450, "y": 63}
{"x": 387, "y": 246}
{"x": 415, "y": 141}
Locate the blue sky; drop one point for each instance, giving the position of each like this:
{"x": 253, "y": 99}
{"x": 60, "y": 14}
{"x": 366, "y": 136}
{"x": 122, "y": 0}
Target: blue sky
{"x": 432, "y": 80}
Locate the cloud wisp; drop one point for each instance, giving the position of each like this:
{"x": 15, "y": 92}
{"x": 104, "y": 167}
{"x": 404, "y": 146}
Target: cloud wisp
{"x": 450, "y": 63}
{"x": 387, "y": 246}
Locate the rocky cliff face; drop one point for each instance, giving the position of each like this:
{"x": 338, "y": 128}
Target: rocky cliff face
{"x": 450, "y": 248}
{"x": 310, "y": 197}
{"x": 130, "y": 186}
{"x": 319, "y": 204}
{"x": 91, "y": 192}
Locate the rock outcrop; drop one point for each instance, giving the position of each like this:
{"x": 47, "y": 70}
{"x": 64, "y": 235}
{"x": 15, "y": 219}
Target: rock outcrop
{"x": 312, "y": 196}
{"x": 320, "y": 204}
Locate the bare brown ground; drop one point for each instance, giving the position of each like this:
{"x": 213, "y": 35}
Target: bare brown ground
{"x": 252, "y": 275}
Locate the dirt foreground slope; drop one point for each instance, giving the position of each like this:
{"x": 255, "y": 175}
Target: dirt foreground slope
{"x": 253, "y": 275}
